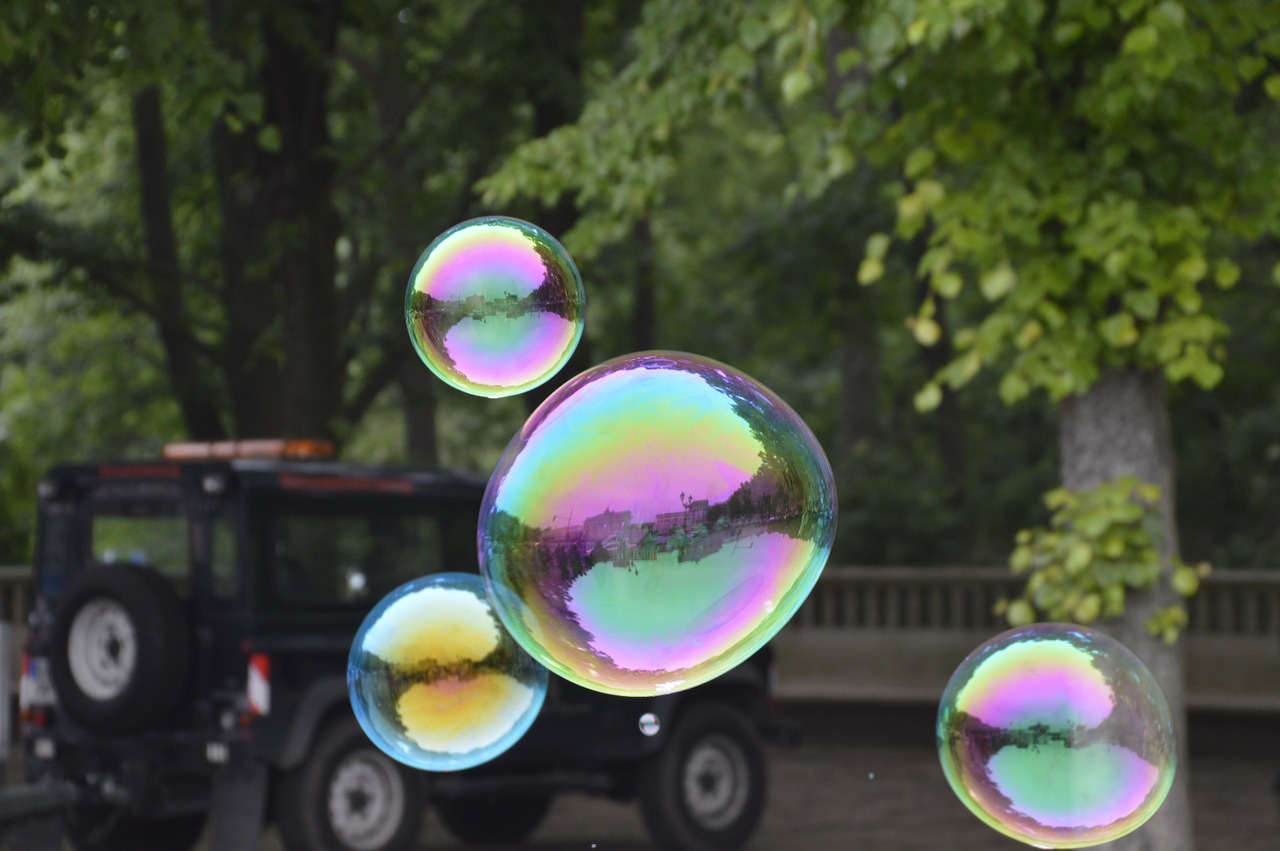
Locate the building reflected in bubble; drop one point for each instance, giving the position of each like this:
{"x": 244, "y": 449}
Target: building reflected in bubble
{"x": 655, "y": 522}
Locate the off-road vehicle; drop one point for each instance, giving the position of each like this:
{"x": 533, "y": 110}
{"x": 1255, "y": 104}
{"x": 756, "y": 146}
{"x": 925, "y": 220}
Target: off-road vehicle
{"x": 187, "y": 658}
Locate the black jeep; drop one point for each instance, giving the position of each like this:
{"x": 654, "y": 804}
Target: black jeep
{"x": 187, "y": 662}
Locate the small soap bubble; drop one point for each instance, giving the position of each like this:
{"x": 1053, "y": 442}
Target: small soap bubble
{"x": 871, "y": 775}
{"x": 649, "y": 724}
{"x": 434, "y": 679}
{"x": 495, "y": 306}
{"x": 1058, "y": 736}
{"x": 654, "y": 523}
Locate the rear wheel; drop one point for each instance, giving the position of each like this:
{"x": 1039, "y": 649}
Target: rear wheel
{"x": 349, "y": 796}
{"x": 98, "y": 829}
{"x": 705, "y": 791}
{"x": 490, "y": 819}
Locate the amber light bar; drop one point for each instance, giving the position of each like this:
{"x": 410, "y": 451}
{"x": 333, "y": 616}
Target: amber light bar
{"x": 263, "y": 448}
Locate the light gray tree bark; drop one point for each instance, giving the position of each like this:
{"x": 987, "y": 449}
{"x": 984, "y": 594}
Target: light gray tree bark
{"x": 1120, "y": 427}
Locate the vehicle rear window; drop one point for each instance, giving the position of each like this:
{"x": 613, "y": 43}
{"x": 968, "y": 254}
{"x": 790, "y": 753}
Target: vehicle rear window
{"x": 355, "y": 553}
{"x": 146, "y": 535}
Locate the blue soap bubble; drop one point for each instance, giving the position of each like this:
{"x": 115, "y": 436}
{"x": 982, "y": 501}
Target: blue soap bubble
{"x": 435, "y": 680}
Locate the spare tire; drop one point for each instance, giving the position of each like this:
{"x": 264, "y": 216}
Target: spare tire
{"x": 120, "y": 649}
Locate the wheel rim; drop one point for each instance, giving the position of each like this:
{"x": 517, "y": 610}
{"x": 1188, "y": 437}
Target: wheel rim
{"x": 102, "y": 649}
{"x": 366, "y": 801}
{"x": 716, "y": 782}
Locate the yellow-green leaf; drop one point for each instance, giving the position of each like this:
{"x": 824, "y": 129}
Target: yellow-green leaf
{"x": 1118, "y": 330}
{"x": 1141, "y": 39}
{"x": 997, "y": 282}
{"x": 1028, "y": 334}
{"x": 948, "y": 284}
{"x": 1020, "y": 613}
{"x": 796, "y": 84}
{"x": 877, "y": 245}
{"x": 926, "y": 331}
{"x": 917, "y": 30}
{"x": 1226, "y": 273}
{"x": 1185, "y": 581}
{"x": 870, "y": 271}
{"x": 1088, "y": 609}
{"x": 1192, "y": 268}
{"x": 931, "y": 192}
{"x": 929, "y": 397}
{"x": 269, "y": 138}
{"x": 1079, "y": 555}
{"x": 848, "y": 59}
{"x": 918, "y": 162}
{"x": 1272, "y": 85}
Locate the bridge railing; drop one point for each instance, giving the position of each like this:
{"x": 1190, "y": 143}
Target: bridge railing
{"x": 897, "y": 633}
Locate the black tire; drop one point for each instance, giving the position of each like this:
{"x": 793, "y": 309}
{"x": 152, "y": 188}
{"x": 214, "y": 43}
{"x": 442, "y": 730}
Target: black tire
{"x": 493, "y": 819}
{"x": 98, "y": 829}
{"x": 120, "y": 649}
{"x": 349, "y": 796}
{"x": 706, "y": 789}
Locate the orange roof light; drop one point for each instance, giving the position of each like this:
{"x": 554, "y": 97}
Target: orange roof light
{"x": 265, "y": 448}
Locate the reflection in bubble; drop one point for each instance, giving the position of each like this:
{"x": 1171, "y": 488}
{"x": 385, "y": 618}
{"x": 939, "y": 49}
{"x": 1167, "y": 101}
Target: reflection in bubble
{"x": 654, "y": 523}
{"x": 434, "y": 679}
{"x": 1058, "y": 736}
{"x": 649, "y": 724}
{"x": 495, "y": 306}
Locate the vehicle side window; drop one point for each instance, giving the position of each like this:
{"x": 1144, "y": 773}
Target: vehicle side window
{"x": 322, "y": 555}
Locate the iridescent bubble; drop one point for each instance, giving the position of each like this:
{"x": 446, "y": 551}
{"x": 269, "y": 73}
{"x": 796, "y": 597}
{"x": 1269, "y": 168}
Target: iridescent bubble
{"x": 649, "y": 725}
{"x": 654, "y": 523}
{"x": 1058, "y": 736}
{"x": 494, "y": 306}
{"x": 435, "y": 680}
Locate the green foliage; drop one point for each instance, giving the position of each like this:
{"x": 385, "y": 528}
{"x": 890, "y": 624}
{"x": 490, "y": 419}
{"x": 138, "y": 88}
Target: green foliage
{"x": 81, "y": 389}
{"x": 1098, "y": 545}
{"x": 687, "y": 60}
{"x": 1087, "y": 167}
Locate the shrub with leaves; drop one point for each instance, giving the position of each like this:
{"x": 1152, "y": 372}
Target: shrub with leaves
{"x": 1099, "y": 544}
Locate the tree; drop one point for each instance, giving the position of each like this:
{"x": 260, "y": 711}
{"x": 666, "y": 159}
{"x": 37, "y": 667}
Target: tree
{"x": 285, "y": 165}
{"x": 1073, "y": 175}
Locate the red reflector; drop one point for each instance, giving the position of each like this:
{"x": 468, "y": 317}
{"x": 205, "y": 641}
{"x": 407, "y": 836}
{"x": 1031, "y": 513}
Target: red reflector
{"x": 290, "y": 481}
{"x": 258, "y": 687}
{"x": 40, "y": 718}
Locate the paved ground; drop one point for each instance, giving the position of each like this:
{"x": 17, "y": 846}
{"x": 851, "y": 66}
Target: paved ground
{"x": 867, "y": 777}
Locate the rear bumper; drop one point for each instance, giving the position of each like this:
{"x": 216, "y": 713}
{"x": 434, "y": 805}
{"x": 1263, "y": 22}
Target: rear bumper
{"x": 156, "y": 775}
{"x": 18, "y": 803}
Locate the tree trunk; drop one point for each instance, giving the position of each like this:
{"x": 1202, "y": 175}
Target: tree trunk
{"x": 1120, "y": 427}
{"x": 421, "y": 439}
{"x": 644, "y": 306}
{"x": 189, "y": 383}
{"x": 858, "y": 356}
{"x": 279, "y": 227}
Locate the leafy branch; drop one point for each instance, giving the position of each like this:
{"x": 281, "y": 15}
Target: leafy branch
{"x": 1099, "y": 545}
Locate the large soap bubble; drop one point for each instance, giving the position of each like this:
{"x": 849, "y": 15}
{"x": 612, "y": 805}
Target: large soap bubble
{"x": 1058, "y": 736}
{"x": 494, "y": 306}
{"x": 435, "y": 680}
{"x": 654, "y": 523}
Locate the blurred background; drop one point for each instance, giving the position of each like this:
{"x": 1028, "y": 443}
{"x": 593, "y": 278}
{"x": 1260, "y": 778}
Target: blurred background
{"x": 923, "y": 223}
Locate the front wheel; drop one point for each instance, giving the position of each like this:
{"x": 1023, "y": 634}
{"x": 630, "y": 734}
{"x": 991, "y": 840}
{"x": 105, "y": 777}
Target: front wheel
{"x": 349, "y": 796}
{"x": 705, "y": 791}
